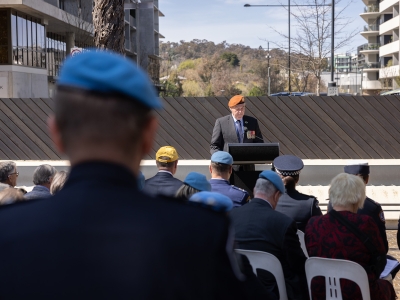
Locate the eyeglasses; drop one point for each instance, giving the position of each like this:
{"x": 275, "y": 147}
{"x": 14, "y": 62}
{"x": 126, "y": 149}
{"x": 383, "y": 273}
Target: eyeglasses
{"x": 17, "y": 173}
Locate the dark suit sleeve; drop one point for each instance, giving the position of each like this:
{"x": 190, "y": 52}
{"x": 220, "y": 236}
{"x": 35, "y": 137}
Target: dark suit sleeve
{"x": 294, "y": 253}
{"x": 377, "y": 216}
{"x": 398, "y": 234}
{"x": 217, "y": 140}
{"x": 316, "y": 210}
{"x": 259, "y": 134}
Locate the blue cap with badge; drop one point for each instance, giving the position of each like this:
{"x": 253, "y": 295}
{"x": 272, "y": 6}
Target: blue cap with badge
{"x": 215, "y": 201}
{"x": 222, "y": 157}
{"x": 108, "y": 72}
{"x": 357, "y": 167}
{"x": 274, "y": 178}
{"x": 197, "y": 181}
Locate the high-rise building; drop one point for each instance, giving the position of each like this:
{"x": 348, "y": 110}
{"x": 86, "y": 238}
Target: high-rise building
{"x": 379, "y": 57}
{"x": 37, "y": 35}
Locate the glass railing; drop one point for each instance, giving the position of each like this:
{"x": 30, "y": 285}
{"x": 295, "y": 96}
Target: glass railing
{"x": 370, "y": 46}
{"x": 371, "y": 28}
{"x": 370, "y": 65}
{"x": 371, "y": 8}
{"x": 132, "y": 21}
{"x": 127, "y": 15}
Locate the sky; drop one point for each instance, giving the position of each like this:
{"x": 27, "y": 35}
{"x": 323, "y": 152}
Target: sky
{"x": 230, "y": 21}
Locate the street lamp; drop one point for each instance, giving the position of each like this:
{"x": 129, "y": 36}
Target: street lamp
{"x": 288, "y": 6}
{"x": 269, "y": 77}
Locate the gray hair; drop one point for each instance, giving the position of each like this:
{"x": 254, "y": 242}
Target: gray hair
{"x": 43, "y": 173}
{"x": 347, "y": 189}
{"x": 6, "y": 168}
{"x": 265, "y": 187}
{"x": 58, "y": 182}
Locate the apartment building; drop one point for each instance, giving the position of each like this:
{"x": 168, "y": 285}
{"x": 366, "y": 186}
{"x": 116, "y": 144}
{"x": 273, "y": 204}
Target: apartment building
{"x": 379, "y": 57}
{"x": 37, "y": 35}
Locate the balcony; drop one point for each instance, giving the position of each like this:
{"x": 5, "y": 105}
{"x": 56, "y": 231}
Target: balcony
{"x": 370, "y": 48}
{"x": 132, "y": 21}
{"x": 371, "y": 85}
{"x": 386, "y": 6}
{"x": 388, "y": 26}
{"x": 370, "y": 12}
{"x": 370, "y": 66}
{"x": 389, "y": 49}
{"x": 389, "y": 72}
{"x": 370, "y": 30}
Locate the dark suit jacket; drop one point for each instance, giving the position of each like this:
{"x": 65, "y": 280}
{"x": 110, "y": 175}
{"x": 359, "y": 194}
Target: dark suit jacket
{"x": 259, "y": 227}
{"x": 162, "y": 183}
{"x": 299, "y": 207}
{"x": 224, "y": 132}
{"x": 101, "y": 238}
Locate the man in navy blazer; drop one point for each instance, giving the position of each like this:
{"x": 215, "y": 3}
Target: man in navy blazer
{"x": 164, "y": 183}
{"x": 100, "y": 237}
{"x": 235, "y": 128}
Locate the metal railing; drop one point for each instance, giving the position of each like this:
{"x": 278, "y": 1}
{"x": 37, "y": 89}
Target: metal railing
{"x": 371, "y": 8}
{"x": 371, "y": 28}
{"x": 370, "y": 46}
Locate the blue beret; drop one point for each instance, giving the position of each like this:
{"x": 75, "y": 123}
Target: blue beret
{"x": 216, "y": 201}
{"x": 274, "y": 178}
{"x": 197, "y": 181}
{"x": 105, "y": 71}
{"x": 288, "y": 165}
{"x": 222, "y": 157}
{"x": 141, "y": 180}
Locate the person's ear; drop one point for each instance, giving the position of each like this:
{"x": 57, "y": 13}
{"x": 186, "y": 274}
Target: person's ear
{"x": 210, "y": 169}
{"x": 366, "y": 180}
{"x": 149, "y": 134}
{"x": 55, "y": 134}
{"x": 230, "y": 170}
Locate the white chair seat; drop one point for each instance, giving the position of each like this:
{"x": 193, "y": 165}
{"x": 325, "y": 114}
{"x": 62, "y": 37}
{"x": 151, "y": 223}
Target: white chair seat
{"x": 268, "y": 262}
{"x": 333, "y": 270}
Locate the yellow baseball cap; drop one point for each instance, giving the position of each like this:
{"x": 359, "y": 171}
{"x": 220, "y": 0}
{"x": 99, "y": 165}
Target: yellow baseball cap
{"x": 166, "y": 152}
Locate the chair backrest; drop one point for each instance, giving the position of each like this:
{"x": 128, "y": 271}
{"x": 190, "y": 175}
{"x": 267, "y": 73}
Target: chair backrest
{"x": 300, "y": 234}
{"x": 333, "y": 270}
{"x": 267, "y": 261}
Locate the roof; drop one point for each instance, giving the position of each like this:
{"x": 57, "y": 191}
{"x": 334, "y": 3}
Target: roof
{"x": 309, "y": 127}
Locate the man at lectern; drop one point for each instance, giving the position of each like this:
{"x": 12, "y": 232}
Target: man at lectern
{"x": 235, "y": 128}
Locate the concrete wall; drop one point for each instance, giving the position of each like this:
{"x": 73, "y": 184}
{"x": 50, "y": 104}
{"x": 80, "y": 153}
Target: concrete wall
{"x": 23, "y": 82}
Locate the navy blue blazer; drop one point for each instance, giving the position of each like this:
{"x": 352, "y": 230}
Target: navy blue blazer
{"x": 237, "y": 195}
{"x": 101, "y": 238}
{"x": 163, "y": 183}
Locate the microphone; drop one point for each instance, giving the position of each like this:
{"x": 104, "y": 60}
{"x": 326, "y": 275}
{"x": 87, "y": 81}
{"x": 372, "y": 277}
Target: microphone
{"x": 245, "y": 132}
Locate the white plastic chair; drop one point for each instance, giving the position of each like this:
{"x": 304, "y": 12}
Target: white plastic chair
{"x": 302, "y": 242}
{"x": 268, "y": 262}
{"x": 333, "y": 270}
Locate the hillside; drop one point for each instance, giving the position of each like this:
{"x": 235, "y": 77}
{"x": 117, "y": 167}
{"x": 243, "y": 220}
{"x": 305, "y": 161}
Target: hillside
{"x": 203, "y": 68}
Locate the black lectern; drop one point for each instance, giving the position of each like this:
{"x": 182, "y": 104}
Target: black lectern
{"x": 246, "y": 154}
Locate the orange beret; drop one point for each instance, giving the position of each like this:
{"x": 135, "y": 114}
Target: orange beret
{"x": 235, "y": 100}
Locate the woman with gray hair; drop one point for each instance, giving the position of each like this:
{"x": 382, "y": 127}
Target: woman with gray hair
{"x": 58, "y": 182}
{"x": 340, "y": 234}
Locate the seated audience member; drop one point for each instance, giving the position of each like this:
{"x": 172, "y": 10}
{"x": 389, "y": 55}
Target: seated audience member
{"x": 42, "y": 178}
{"x": 221, "y": 170}
{"x": 213, "y": 200}
{"x": 8, "y": 174}
{"x": 329, "y": 236}
{"x": 11, "y": 195}
{"x": 298, "y": 206}
{"x": 193, "y": 183}
{"x": 259, "y": 227}
{"x": 164, "y": 183}
{"x": 58, "y": 182}
{"x": 371, "y": 208}
{"x": 100, "y": 237}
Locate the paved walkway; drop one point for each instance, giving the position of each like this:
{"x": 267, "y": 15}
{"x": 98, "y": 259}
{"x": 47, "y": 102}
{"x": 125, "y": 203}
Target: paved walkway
{"x": 394, "y": 251}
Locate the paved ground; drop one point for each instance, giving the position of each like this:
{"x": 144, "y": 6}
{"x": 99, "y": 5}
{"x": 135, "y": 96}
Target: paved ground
{"x": 394, "y": 251}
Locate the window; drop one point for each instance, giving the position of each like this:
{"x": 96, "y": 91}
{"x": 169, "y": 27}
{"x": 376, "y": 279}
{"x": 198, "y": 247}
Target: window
{"x": 56, "y": 52}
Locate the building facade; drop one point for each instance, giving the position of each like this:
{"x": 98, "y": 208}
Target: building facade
{"x": 37, "y": 35}
{"x": 379, "y": 57}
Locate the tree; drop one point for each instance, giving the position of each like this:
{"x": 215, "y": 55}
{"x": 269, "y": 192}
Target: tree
{"x": 313, "y": 36}
{"x": 231, "y": 58}
{"x": 255, "y": 92}
{"x": 109, "y": 26}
